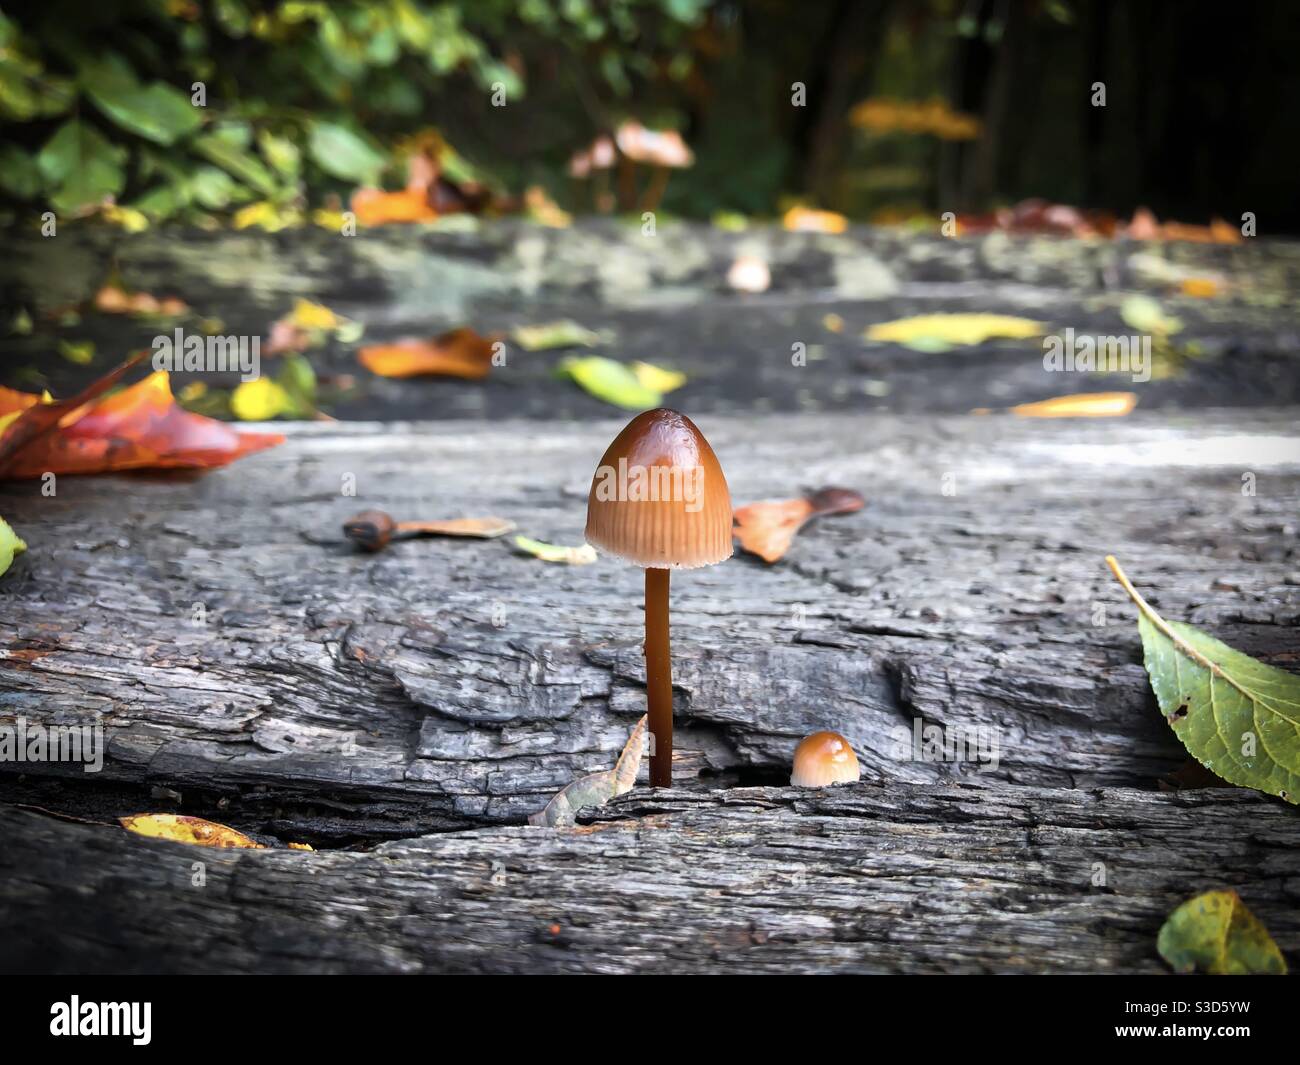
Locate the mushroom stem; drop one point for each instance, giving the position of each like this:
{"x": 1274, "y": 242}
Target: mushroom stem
{"x": 659, "y": 677}
{"x": 654, "y": 192}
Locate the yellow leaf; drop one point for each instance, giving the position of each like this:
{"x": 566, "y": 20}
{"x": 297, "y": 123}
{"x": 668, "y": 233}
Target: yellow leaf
{"x": 259, "y": 400}
{"x": 809, "y": 220}
{"x": 265, "y": 215}
{"x": 574, "y": 556}
{"x": 10, "y": 545}
{"x": 834, "y": 323}
{"x": 1084, "y": 405}
{"x": 308, "y": 315}
{"x": 128, "y": 218}
{"x": 181, "y": 829}
{"x": 939, "y": 332}
{"x": 301, "y": 847}
{"x": 611, "y": 381}
{"x": 656, "y": 378}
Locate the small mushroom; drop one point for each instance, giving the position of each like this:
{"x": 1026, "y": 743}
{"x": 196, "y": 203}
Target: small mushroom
{"x": 599, "y": 159}
{"x": 664, "y": 150}
{"x": 659, "y": 500}
{"x": 824, "y": 758}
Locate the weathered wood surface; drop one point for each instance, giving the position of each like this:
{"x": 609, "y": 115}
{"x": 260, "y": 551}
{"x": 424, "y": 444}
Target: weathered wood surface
{"x": 451, "y": 687}
{"x": 875, "y": 878}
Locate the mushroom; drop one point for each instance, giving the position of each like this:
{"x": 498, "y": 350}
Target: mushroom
{"x": 600, "y": 158}
{"x": 661, "y": 149}
{"x": 824, "y": 758}
{"x": 659, "y": 500}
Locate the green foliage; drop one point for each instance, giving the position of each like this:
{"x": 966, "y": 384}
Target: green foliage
{"x": 181, "y": 108}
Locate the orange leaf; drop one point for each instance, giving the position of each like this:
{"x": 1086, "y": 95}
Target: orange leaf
{"x": 38, "y": 418}
{"x": 767, "y": 529}
{"x": 460, "y": 353}
{"x": 1200, "y": 287}
{"x": 140, "y": 427}
{"x": 1084, "y": 405}
{"x": 374, "y": 207}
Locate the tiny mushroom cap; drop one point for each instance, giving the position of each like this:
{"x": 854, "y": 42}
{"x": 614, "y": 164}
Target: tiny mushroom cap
{"x": 659, "y": 498}
{"x": 657, "y": 147}
{"x": 599, "y": 156}
{"x": 824, "y": 758}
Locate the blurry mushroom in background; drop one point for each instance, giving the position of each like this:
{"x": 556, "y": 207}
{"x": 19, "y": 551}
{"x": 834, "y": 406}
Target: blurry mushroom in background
{"x": 662, "y": 149}
{"x": 749, "y": 273}
{"x": 659, "y": 500}
{"x": 824, "y": 758}
{"x": 597, "y": 160}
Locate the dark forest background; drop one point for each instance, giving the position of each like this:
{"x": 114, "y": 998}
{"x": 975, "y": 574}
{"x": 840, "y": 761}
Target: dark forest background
{"x": 307, "y": 101}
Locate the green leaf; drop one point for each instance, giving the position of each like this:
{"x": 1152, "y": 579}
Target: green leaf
{"x": 10, "y": 545}
{"x": 1215, "y": 933}
{"x": 212, "y": 187}
{"x": 157, "y": 112}
{"x": 232, "y": 158}
{"x": 298, "y": 380}
{"x": 573, "y": 556}
{"x": 344, "y": 154}
{"x": 611, "y": 381}
{"x": 82, "y": 165}
{"x": 562, "y": 334}
{"x": 78, "y": 352}
{"x": 280, "y": 152}
{"x": 1145, "y": 315}
{"x": 1236, "y": 716}
{"x": 19, "y": 174}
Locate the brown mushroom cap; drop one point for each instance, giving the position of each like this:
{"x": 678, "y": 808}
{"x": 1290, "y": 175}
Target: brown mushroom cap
{"x": 656, "y": 147}
{"x": 659, "y": 498}
{"x": 824, "y": 758}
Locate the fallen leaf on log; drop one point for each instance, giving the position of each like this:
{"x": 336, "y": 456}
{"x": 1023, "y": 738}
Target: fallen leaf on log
{"x": 1235, "y": 715}
{"x": 637, "y": 387}
{"x": 656, "y": 378}
{"x": 375, "y": 207}
{"x": 373, "y": 529}
{"x": 810, "y": 220}
{"x": 10, "y": 545}
{"x": 943, "y": 332}
{"x": 573, "y": 556}
{"x": 309, "y": 325}
{"x": 1201, "y": 287}
{"x": 545, "y": 211}
{"x": 1217, "y": 934}
{"x": 767, "y": 529}
{"x": 40, "y": 414}
{"x": 565, "y": 333}
{"x": 182, "y": 829}
{"x": 112, "y": 298}
{"x": 140, "y": 427}
{"x": 596, "y": 789}
{"x": 1146, "y": 316}
{"x": 459, "y": 353}
{"x": 1082, "y": 405}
